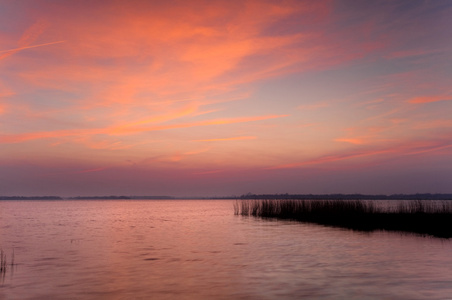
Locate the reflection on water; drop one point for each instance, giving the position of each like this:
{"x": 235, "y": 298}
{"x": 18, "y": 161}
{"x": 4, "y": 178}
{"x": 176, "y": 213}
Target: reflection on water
{"x": 200, "y": 250}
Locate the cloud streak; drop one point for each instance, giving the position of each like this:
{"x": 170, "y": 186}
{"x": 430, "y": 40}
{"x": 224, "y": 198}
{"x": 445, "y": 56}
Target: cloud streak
{"x": 126, "y": 129}
{"x": 29, "y": 47}
{"x": 407, "y": 148}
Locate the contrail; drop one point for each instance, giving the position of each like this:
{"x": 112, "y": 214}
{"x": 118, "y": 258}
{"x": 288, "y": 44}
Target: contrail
{"x": 27, "y": 47}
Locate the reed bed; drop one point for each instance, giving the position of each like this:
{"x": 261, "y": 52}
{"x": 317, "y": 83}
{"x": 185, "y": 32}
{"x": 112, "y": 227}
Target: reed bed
{"x": 432, "y": 218}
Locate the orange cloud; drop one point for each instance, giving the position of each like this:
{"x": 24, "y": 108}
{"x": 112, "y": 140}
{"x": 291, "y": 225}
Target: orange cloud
{"x": 161, "y": 59}
{"x": 429, "y": 99}
{"x": 182, "y": 48}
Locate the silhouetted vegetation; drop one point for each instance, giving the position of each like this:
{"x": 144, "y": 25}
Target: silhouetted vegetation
{"x": 422, "y": 217}
{"x": 424, "y": 196}
{"x": 3, "y": 261}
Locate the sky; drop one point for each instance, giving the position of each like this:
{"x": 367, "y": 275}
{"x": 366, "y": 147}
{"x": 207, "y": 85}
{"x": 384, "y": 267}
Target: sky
{"x": 219, "y": 98}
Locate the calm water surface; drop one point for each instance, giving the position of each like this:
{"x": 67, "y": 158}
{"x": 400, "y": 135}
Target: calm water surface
{"x": 198, "y": 249}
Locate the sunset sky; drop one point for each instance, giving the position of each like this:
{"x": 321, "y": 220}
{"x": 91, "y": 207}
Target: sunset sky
{"x": 212, "y": 98}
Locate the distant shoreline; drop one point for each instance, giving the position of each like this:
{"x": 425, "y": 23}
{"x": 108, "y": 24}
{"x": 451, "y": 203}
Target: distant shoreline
{"x": 423, "y": 196}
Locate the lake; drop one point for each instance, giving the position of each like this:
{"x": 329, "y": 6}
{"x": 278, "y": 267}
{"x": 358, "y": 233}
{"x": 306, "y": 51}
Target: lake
{"x": 198, "y": 249}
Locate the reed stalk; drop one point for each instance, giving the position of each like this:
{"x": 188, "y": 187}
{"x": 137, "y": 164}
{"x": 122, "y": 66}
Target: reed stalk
{"x": 2, "y": 261}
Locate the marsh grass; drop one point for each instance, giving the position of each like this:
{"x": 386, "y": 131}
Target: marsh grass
{"x": 420, "y": 217}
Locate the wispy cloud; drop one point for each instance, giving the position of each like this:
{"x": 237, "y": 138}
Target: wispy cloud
{"x": 238, "y": 138}
{"x": 427, "y": 149}
{"x": 355, "y": 141}
{"x": 433, "y": 124}
{"x": 313, "y": 106}
{"x": 225, "y": 121}
{"x": 91, "y": 170}
{"x": 17, "y": 138}
{"x": 27, "y": 38}
{"x": 333, "y": 158}
{"x": 208, "y": 172}
{"x": 410, "y": 53}
{"x": 406, "y": 148}
{"x": 187, "y": 111}
{"x": 429, "y": 99}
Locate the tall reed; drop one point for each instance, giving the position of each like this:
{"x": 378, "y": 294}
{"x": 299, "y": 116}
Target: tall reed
{"x": 2, "y": 261}
{"x": 422, "y": 217}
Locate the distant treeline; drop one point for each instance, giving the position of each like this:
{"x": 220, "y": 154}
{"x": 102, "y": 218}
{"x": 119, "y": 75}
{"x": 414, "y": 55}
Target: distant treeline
{"x": 426, "y": 196}
{"x": 84, "y": 197}
{"x": 119, "y": 197}
{"x": 30, "y": 198}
